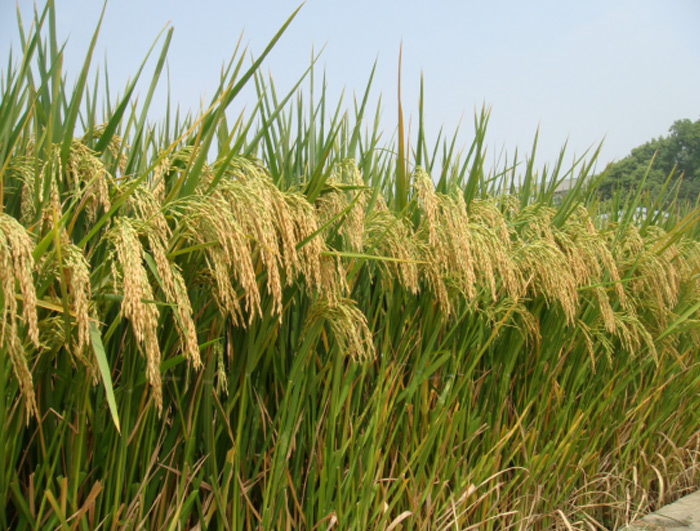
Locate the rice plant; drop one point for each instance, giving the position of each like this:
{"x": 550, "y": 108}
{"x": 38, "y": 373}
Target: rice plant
{"x": 286, "y": 323}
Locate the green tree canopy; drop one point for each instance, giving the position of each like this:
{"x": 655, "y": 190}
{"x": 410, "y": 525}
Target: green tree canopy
{"x": 679, "y": 150}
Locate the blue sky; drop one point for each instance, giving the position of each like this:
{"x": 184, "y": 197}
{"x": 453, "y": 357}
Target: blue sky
{"x": 620, "y": 70}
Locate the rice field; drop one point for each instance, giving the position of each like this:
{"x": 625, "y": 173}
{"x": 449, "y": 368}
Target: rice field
{"x": 281, "y": 321}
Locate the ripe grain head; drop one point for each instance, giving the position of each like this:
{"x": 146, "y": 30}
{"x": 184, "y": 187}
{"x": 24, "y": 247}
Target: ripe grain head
{"x": 393, "y": 237}
{"x": 16, "y": 269}
{"x": 131, "y": 276}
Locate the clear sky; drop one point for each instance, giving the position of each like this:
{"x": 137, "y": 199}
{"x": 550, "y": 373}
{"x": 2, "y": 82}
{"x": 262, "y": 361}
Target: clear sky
{"x": 621, "y": 71}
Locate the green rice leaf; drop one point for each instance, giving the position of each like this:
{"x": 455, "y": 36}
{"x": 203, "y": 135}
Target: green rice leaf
{"x": 101, "y": 356}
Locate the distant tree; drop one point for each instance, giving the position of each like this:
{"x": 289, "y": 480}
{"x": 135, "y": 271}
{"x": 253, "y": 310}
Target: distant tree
{"x": 680, "y": 149}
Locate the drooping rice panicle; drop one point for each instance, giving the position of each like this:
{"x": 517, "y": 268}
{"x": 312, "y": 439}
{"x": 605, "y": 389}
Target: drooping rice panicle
{"x": 16, "y": 269}
{"x": 137, "y": 304}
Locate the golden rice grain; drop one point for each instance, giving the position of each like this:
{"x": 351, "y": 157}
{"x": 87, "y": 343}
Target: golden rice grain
{"x": 309, "y": 242}
{"x": 16, "y": 269}
{"x": 348, "y": 324}
{"x": 392, "y": 237}
{"x": 127, "y": 265}
{"x": 78, "y": 279}
{"x": 231, "y": 256}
